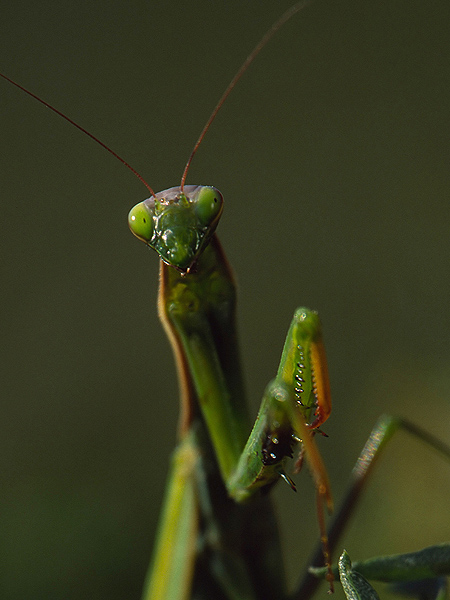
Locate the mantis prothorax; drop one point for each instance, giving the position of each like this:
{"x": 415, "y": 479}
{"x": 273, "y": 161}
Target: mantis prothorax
{"x": 217, "y": 536}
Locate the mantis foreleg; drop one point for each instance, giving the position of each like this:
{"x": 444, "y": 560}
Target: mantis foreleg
{"x": 199, "y": 308}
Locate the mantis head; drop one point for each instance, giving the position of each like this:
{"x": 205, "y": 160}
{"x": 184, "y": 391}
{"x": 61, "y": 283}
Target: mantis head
{"x": 178, "y": 224}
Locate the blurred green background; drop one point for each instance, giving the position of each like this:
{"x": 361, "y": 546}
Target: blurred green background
{"x": 333, "y": 157}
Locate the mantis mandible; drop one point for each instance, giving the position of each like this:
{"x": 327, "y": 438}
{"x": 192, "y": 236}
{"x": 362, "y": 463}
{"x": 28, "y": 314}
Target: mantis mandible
{"x": 211, "y": 431}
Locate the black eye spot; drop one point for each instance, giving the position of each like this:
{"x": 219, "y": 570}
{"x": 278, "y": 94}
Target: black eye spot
{"x": 276, "y": 446}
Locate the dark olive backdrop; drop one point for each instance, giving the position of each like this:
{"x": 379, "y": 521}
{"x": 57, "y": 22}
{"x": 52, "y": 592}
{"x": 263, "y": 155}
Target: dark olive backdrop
{"x": 333, "y": 157}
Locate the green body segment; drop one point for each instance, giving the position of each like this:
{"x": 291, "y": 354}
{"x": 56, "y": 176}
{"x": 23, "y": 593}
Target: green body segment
{"x": 200, "y": 308}
{"x": 174, "y": 554}
{"x": 197, "y": 304}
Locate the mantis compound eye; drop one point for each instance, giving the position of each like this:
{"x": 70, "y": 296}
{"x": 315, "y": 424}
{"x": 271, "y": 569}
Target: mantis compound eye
{"x": 140, "y": 221}
{"x": 208, "y": 205}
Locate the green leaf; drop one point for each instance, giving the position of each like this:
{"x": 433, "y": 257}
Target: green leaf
{"x": 353, "y": 583}
{"x": 430, "y": 562}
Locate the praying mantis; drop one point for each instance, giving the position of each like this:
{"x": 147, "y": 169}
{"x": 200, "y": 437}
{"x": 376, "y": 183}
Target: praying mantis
{"x": 313, "y": 303}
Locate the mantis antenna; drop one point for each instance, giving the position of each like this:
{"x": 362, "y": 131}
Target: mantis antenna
{"x": 58, "y": 112}
{"x": 245, "y": 65}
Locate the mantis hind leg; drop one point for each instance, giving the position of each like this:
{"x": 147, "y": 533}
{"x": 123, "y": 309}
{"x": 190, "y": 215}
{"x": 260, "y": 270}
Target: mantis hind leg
{"x": 383, "y": 431}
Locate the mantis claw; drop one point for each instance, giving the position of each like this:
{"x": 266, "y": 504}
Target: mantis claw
{"x": 288, "y": 480}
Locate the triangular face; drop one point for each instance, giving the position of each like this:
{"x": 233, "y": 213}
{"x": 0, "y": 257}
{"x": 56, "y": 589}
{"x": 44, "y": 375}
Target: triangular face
{"x": 178, "y": 224}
